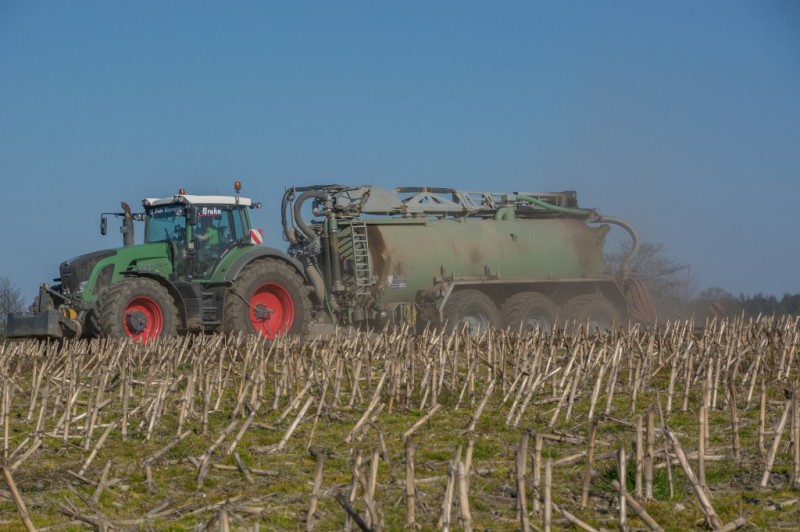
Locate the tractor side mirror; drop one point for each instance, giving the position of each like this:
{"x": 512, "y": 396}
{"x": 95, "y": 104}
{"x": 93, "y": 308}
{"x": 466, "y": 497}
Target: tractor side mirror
{"x": 191, "y": 216}
{"x": 103, "y": 225}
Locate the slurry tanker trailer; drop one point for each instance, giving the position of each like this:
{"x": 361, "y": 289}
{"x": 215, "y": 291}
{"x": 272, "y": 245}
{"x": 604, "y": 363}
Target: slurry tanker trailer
{"x": 446, "y": 256}
{"x": 358, "y": 256}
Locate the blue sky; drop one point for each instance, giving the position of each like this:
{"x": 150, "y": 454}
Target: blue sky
{"x": 681, "y": 117}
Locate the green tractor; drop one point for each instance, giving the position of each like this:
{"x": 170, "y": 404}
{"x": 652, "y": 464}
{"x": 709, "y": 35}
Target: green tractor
{"x": 201, "y": 268}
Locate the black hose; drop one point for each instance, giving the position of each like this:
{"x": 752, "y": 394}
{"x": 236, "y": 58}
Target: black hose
{"x": 284, "y": 222}
{"x": 315, "y": 278}
{"x": 288, "y": 196}
{"x": 298, "y": 215}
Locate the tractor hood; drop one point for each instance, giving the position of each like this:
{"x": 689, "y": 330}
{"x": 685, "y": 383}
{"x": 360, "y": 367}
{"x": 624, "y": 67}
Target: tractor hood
{"x": 75, "y": 272}
{"x": 86, "y": 276}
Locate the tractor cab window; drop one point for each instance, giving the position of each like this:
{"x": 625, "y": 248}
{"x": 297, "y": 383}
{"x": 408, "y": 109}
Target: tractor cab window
{"x": 239, "y": 223}
{"x": 214, "y": 234}
{"x": 166, "y": 223}
{"x": 214, "y": 225}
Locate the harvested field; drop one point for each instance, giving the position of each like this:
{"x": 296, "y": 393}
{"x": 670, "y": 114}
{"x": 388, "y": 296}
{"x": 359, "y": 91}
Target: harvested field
{"x": 502, "y": 431}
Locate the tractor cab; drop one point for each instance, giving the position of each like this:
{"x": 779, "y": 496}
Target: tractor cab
{"x": 198, "y": 230}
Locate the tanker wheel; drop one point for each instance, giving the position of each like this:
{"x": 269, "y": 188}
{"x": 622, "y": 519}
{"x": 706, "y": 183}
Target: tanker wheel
{"x": 528, "y": 310}
{"x": 138, "y": 308}
{"x": 268, "y": 298}
{"x": 592, "y": 309}
{"x": 473, "y": 309}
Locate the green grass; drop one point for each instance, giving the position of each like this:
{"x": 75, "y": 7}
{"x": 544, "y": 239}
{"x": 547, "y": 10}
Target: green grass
{"x": 661, "y": 487}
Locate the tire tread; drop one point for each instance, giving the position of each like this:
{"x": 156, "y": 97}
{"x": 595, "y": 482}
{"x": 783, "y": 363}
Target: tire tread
{"x": 112, "y": 301}
{"x": 235, "y": 313}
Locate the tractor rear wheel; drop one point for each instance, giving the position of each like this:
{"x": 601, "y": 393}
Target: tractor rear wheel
{"x": 138, "y": 308}
{"x": 592, "y": 309}
{"x": 529, "y": 310}
{"x": 473, "y": 308}
{"x": 268, "y": 298}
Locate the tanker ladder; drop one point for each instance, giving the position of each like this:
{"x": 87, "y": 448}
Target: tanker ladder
{"x": 361, "y": 263}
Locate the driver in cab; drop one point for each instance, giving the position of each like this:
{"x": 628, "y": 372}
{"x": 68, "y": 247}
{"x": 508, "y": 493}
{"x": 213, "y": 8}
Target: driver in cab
{"x": 207, "y": 233}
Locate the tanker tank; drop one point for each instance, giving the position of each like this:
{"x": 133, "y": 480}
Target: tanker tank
{"x": 408, "y": 254}
{"x": 451, "y": 257}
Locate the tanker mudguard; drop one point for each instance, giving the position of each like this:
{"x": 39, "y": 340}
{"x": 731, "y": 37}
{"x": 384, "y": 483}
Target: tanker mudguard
{"x": 262, "y": 251}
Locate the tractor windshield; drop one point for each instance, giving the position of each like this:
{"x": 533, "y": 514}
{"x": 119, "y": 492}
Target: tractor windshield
{"x": 166, "y": 223}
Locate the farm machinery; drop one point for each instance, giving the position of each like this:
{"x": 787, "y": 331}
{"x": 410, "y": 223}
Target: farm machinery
{"x": 200, "y": 268}
{"x": 357, "y": 256}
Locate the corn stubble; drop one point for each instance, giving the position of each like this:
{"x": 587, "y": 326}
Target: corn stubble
{"x": 673, "y": 426}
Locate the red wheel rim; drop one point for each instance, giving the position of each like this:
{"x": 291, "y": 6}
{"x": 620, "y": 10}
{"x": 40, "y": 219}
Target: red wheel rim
{"x": 271, "y": 310}
{"x": 143, "y": 319}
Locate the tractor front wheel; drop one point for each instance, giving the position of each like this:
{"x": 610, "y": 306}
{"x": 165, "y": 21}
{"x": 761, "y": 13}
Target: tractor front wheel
{"x": 268, "y": 298}
{"x": 137, "y": 308}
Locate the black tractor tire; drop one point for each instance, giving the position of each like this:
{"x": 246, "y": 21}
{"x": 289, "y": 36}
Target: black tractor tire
{"x": 471, "y": 307}
{"x": 528, "y": 310}
{"x": 268, "y": 298}
{"x": 138, "y": 308}
{"x": 594, "y": 309}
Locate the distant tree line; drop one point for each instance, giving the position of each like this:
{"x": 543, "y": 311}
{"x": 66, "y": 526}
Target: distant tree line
{"x": 672, "y": 289}
{"x": 717, "y": 300}
{"x": 10, "y": 300}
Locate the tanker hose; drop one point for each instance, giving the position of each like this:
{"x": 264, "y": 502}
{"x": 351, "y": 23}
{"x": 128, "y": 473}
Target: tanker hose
{"x": 640, "y": 305}
{"x": 588, "y": 213}
{"x": 288, "y": 232}
{"x": 298, "y": 215}
{"x": 626, "y": 263}
{"x": 594, "y": 217}
{"x": 505, "y": 213}
{"x": 325, "y": 299}
{"x": 315, "y": 278}
{"x": 333, "y": 249}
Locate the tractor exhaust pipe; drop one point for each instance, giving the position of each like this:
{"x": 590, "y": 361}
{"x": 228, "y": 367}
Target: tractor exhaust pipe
{"x": 127, "y": 226}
